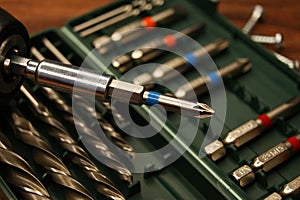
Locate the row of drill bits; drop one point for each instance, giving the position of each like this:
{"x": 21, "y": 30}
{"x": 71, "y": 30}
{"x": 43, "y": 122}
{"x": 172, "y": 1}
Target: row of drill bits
{"x": 18, "y": 173}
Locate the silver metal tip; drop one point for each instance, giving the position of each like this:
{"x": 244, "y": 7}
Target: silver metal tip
{"x": 204, "y": 110}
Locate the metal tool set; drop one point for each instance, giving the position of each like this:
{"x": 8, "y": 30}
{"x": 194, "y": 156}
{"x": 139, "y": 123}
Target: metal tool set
{"x": 45, "y": 145}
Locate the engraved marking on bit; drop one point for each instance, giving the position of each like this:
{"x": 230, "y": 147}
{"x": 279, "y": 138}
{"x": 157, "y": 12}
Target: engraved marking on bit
{"x": 291, "y": 187}
{"x": 215, "y": 150}
{"x": 273, "y": 196}
{"x": 243, "y": 175}
{"x": 238, "y": 135}
{"x": 272, "y": 157}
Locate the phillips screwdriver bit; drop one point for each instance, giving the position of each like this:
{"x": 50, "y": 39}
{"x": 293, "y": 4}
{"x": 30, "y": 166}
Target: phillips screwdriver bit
{"x": 199, "y": 85}
{"x": 267, "y": 160}
{"x": 18, "y": 173}
{"x": 66, "y": 77}
{"x": 124, "y": 62}
{"x": 169, "y": 69}
{"x": 252, "y": 128}
{"x": 183, "y": 64}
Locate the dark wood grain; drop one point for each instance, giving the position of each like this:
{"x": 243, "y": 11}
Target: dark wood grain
{"x": 281, "y": 16}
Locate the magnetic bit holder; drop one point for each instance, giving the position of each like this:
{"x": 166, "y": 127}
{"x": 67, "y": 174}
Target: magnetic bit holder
{"x": 14, "y": 66}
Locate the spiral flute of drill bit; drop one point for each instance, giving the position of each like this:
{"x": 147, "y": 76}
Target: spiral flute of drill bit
{"x": 18, "y": 173}
{"x": 78, "y": 155}
{"x": 109, "y": 130}
{"x": 44, "y": 156}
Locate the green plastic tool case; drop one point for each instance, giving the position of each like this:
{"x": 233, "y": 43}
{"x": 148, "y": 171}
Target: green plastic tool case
{"x": 267, "y": 85}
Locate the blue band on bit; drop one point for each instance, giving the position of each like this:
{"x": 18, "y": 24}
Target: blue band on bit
{"x": 191, "y": 59}
{"x": 214, "y": 78}
{"x": 153, "y": 98}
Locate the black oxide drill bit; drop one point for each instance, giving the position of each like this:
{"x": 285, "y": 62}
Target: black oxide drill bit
{"x": 18, "y": 173}
{"x": 79, "y": 156}
{"x": 44, "y": 156}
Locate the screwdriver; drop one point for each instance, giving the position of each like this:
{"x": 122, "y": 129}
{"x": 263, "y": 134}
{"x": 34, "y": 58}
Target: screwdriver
{"x": 251, "y": 129}
{"x": 182, "y": 64}
{"x": 124, "y": 62}
{"x": 198, "y": 85}
{"x": 65, "y": 77}
{"x": 267, "y": 160}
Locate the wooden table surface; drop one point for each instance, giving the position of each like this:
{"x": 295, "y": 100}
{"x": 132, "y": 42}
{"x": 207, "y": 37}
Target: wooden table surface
{"x": 280, "y": 16}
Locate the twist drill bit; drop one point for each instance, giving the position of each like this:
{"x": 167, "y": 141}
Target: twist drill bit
{"x": 114, "y": 136}
{"x": 267, "y": 160}
{"x": 18, "y": 173}
{"x": 78, "y": 155}
{"x": 252, "y": 129}
{"x": 44, "y": 156}
{"x": 65, "y": 109}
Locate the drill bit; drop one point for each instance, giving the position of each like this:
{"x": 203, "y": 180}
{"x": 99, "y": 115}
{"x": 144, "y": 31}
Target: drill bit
{"x": 44, "y": 156}
{"x": 69, "y": 78}
{"x": 252, "y": 128}
{"x": 56, "y": 130}
{"x": 267, "y": 160}
{"x": 18, "y": 173}
{"x": 109, "y": 130}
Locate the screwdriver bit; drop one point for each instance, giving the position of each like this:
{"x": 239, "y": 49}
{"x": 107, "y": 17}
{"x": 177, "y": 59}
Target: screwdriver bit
{"x": 66, "y": 77}
{"x": 252, "y": 128}
{"x": 165, "y": 16}
{"x": 77, "y": 154}
{"x": 116, "y": 16}
{"x": 185, "y": 63}
{"x": 267, "y": 160}
{"x": 18, "y": 173}
{"x": 124, "y": 62}
{"x": 199, "y": 85}
{"x": 44, "y": 156}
